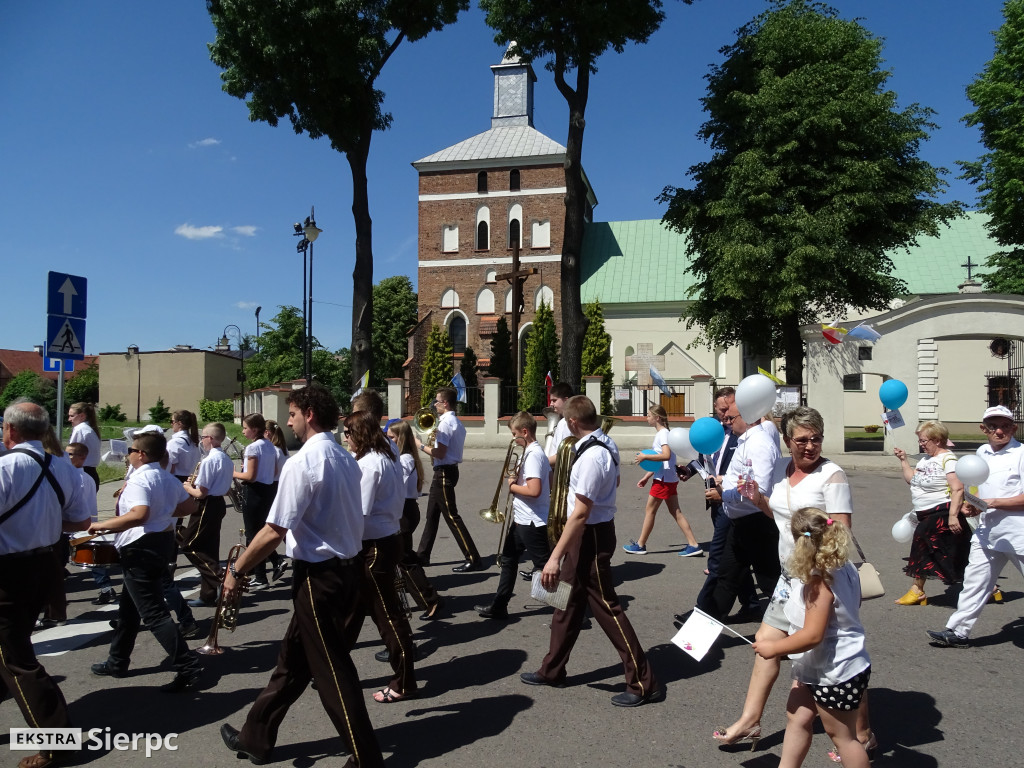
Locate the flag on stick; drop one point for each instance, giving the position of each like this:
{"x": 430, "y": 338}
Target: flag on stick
{"x": 460, "y": 387}
{"x": 865, "y": 332}
{"x": 699, "y": 633}
{"x": 658, "y": 379}
{"x": 833, "y": 333}
{"x": 548, "y": 383}
{"x": 775, "y": 379}
{"x": 364, "y": 382}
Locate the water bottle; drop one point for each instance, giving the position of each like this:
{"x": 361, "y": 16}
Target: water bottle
{"x": 743, "y": 481}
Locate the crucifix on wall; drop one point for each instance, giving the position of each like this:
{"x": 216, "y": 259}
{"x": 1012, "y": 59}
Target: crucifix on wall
{"x": 641, "y": 362}
{"x": 516, "y": 277}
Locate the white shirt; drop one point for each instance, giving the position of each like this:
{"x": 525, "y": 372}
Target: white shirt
{"x": 282, "y": 457}
{"x": 757, "y": 445}
{"x": 153, "y": 487}
{"x": 408, "y": 464}
{"x": 595, "y": 475}
{"x": 667, "y": 473}
{"x": 826, "y": 488}
{"x": 89, "y": 494}
{"x": 451, "y": 434}
{"x": 561, "y": 432}
{"x": 1001, "y": 529}
{"x": 929, "y": 487}
{"x": 182, "y": 454}
{"x": 534, "y": 510}
{"x": 86, "y": 435}
{"x": 382, "y": 493}
{"x": 318, "y": 502}
{"x": 38, "y": 523}
{"x": 215, "y": 473}
{"x": 264, "y": 453}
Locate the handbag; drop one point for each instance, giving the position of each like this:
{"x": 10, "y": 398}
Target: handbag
{"x": 870, "y": 581}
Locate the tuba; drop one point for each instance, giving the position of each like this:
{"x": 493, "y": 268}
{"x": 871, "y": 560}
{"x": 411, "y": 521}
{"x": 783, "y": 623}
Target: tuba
{"x": 226, "y": 616}
{"x": 549, "y": 438}
{"x": 503, "y": 516}
{"x": 558, "y": 507}
{"x": 424, "y": 421}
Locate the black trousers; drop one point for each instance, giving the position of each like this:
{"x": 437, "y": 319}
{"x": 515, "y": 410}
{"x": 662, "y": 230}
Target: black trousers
{"x": 588, "y": 571}
{"x": 327, "y": 599}
{"x": 751, "y": 544}
{"x": 416, "y": 582}
{"x": 441, "y": 501}
{"x": 381, "y": 557}
{"x": 747, "y": 594}
{"x": 520, "y": 538}
{"x": 200, "y": 543}
{"x": 25, "y": 583}
{"x": 256, "y": 502}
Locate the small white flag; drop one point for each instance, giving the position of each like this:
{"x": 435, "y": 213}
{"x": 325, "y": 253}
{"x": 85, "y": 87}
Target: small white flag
{"x": 699, "y": 633}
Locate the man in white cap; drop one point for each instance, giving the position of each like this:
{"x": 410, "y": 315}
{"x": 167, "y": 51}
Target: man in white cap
{"x": 999, "y": 538}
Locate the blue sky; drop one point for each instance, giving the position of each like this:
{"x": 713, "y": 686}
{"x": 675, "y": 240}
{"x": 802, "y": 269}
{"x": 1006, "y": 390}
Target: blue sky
{"x": 123, "y": 161}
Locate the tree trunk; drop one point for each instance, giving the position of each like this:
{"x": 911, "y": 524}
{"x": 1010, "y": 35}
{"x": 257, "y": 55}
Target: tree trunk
{"x": 793, "y": 345}
{"x": 574, "y": 324}
{"x": 362, "y": 273}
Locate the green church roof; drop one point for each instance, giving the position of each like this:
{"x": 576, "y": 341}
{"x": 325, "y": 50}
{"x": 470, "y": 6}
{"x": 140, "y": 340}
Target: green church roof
{"x": 632, "y": 262}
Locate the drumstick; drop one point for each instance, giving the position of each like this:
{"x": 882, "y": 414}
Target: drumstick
{"x": 81, "y": 541}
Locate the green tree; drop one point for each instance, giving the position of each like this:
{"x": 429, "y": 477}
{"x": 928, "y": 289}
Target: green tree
{"x": 597, "y": 353}
{"x": 437, "y": 368}
{"x": 572, "y": 36}
{"x": 159, "y": 413}
{"x": 998, "y": 94}
{"x": 216, "y": 410}
{"x": 394, "y": 312}
{"x": 84, "y": 386}
{"x": 815, "y": 177}
{"x": 317, "y": 62}
{"x": 279, "y": 357}
{"x": 501, "y": 366}
{"x": 32, "y": 386}
{"x": 468, "y": 368}
{"x": 541, "y": 357}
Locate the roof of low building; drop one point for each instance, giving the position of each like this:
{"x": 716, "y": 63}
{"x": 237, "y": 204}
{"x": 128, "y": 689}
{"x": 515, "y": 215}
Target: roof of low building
{"x": 16, "y": 361}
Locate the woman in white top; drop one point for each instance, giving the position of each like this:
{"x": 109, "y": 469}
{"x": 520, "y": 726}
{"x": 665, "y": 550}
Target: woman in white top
{"x": 942, "y": 538}
{"x": 183, "y": 450}
{"x": 416, "y": 583}
{"x": 383, "y": 496}
{"x": 663, "y": 488}
{"x": 259, "y": 466}
{"x": 86, "y": 430}
{"x": 275, "y": 435}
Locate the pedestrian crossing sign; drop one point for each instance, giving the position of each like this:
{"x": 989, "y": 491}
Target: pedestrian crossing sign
{"x": 65, "y": 337}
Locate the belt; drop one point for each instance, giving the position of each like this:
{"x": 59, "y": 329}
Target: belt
{"x": 329, "y": 563}
{"x": 27, "y": 553}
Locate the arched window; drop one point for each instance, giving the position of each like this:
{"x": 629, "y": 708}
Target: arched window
{"x": 513, "y": 233}
{"x": 481, "y": 182}
{"x": 491, "y": 276}
{"x": 544, "y": 294}
{"x": 513, "y": 180}
{"x": 449, "y": 299}
{"x": 457, "y": 333}
{"x": 485, "y": 302}
{"x": 483, "y": 224}
{"x": 515, "y": 217}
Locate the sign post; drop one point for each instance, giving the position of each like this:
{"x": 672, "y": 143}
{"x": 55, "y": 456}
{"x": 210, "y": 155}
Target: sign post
{"x": 65, "y": 329}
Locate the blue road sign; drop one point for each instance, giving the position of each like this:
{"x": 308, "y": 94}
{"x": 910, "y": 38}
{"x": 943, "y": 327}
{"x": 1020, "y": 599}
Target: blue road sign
{"x": 65, "y": 337}
{"x": 66, "y": 295}
{"x": 52, "y": 365}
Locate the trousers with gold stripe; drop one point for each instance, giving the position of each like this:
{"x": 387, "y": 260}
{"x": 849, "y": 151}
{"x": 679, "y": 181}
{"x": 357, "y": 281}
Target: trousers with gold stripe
{"x": 327, "y": 598}
{"x": 441, "y": 501}
{"x": 384, "y": 607}
{"x": 589, "y": 575}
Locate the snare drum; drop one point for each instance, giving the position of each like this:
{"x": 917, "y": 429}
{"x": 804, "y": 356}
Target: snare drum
{"x": 97, "y": 551}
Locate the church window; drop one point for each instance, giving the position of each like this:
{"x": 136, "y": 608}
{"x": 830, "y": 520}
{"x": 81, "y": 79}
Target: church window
{"x": 546, "y": 295}
{"x": 515, "y": 216}
{"x": 491, "y": 276}
{"x": 481, "y": 182}
{"x": 513, "y": 180}
{"x": 508, "y": 302}
{"x": 630, "y": 351}
{"x": 450, "y": 238}
{"x": 540, "y": 234}
{"x": 853, "y": 382}
{"x": 449, "y": 299}
{"x": 485, "y": 302}
{"x": 457, "y": 333}
{"x": 483, "y": 225}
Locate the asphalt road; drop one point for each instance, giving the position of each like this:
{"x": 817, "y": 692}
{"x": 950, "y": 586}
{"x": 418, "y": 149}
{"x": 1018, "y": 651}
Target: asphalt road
{"x": 930, "y": 706}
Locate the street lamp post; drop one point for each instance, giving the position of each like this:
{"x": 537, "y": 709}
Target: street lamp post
{"x": 224, "y": 342}
{"x": 258, "y": 310}
{"x": 309, "y": 232}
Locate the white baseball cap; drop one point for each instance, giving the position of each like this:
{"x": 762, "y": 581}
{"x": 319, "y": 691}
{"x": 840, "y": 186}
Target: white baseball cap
{"x": 999, "y": 412}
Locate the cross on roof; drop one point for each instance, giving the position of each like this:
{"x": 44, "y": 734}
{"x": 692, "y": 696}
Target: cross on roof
{"x": 970, "y": 265}
{"x": 642, "y": 361}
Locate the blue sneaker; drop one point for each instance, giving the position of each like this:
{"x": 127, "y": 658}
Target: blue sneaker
{"x": 691, "y": 551}
{"x": 634, "y": 549}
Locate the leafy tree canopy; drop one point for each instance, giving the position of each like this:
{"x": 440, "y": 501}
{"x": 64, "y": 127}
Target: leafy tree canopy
{"x": 597, "y": 354}
{"x": 437, "y": 368}
{"x": 29, "y": 384}
{"x": 541, "y": 357}
{"x": 814, "y": 176}
{"x": 84, "y": 386}
{"x": 394, "y": 312}
{"x": 998, "y": 95}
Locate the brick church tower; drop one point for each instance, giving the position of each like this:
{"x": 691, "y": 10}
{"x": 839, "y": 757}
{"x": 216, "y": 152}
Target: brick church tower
{"x": 475, "y": 198}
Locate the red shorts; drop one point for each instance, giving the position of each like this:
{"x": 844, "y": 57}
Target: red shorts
{"x": 662, "y": 490}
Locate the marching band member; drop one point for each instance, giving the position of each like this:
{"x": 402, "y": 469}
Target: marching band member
{"x": 259, "y": 465}
{"x": 183, "y": 449}
{"x": 587, "y": 544}
{"x": 318, "y": 512}
{"x": 275, "y": 435}
{"x": 86, "y": 430}
{"x": 560, "y": 394}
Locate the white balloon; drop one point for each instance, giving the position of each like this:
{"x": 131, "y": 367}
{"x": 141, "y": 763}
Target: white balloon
{"x": 679, "y": 441}
{"x": 755, "y": 397}
{"x": 972, "y": 470}
{"x": 903, "y": 530}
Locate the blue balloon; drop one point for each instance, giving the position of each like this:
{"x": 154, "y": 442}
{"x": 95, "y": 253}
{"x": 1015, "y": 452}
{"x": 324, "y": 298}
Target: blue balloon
{"x": 893, "y": 393}
{"x": 706, "y": 435}
{"x": 650, "y": 466}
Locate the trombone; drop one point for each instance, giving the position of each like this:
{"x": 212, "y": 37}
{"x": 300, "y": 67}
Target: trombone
{"x": 504, "y": 515}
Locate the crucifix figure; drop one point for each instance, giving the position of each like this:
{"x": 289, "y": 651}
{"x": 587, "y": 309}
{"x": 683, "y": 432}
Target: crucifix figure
{"x": 642, "y": 361}
{"x": 516, "y": 277}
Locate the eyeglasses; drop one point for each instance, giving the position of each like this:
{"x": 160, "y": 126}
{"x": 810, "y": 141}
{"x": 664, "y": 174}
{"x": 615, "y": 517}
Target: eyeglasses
{"x": 805, "y": 441}
{"x": 135, "y": 450}
{"x": 1006, "y": 426}
{"x": 728, "y": 419}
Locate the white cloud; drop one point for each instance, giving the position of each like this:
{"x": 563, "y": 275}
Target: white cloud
{"x": 198, "y": 233}
{"x": 246, "y": 304}
{"x": 209, "y": 142}
{"x": 247, "y": 230}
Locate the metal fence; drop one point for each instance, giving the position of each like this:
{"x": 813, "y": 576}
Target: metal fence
{"x": 634, "y": 400}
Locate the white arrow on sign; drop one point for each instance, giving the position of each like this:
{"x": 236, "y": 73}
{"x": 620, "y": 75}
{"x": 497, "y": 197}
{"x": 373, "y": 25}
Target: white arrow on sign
{"x": 68, "y": 292}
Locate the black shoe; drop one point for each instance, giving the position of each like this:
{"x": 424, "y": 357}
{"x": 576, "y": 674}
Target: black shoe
{"x": 105, "y": 597}
{"x": 466, "y": 567}
{"x": 948, "y": 638}
{"x": 230, "y": 737}
{"x": 183, "y": 681}
{"x": 279, "y": 569}
{"x": 198, "y": 603}
{"x": 189, "y": 630}
{"x": 533, "y": 678}
{"x": 679, "y": 619}
{"x": 113, "y": 623}
{"x": 491, "y": 611}
{"x": 107, "y": 669}
{"x": 526, "y": 575}
{"x": 627, "y": 699}
{"x": 383, "y": 655}
{"x": 433, "y": 612}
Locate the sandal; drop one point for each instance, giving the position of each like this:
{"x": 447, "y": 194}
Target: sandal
{"x": 388, "y": 696}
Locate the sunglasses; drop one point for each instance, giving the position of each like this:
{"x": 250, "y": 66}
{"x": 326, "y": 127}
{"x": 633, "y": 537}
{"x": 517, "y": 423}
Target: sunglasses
{"x": 135, "y": 450}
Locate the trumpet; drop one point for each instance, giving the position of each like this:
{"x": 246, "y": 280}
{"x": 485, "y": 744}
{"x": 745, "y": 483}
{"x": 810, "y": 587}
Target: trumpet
{"x": 424, "y": 421}
{"x": 558, "y": 507}
{"x": 552, "y": 418}
{"x": 226, "y": 616}
{"x": 504, "y": 515}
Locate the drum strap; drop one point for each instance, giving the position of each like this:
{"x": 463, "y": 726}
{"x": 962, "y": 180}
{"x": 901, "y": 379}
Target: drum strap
{"x": 44, "y": 465}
